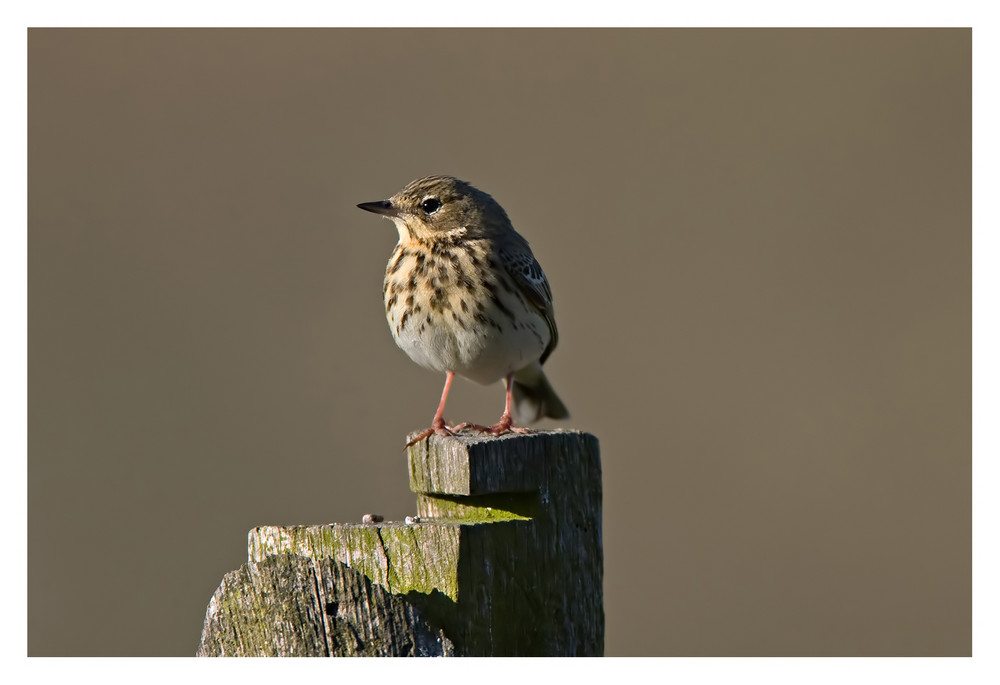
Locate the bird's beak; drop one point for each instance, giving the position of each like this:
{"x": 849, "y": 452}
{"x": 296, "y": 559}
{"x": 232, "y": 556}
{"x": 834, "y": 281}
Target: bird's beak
{"x": 383, "y": 207}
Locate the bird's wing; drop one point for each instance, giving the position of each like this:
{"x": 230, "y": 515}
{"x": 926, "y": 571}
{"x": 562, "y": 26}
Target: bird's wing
{"x": 530, "y": 279}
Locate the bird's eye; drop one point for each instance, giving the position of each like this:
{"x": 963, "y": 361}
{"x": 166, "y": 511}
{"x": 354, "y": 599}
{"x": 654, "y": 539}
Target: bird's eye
{"x": 431, "y": 205}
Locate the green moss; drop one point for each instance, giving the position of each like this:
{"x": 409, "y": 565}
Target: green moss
{"x": 457, "y": 509}
{"x": 401, "y": 558}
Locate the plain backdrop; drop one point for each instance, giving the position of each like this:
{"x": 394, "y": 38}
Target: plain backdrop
{"x": 759, "y": 244}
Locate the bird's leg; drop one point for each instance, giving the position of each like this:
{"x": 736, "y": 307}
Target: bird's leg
{"x": 437, "y": 423}
{"x": 506, "y": 423}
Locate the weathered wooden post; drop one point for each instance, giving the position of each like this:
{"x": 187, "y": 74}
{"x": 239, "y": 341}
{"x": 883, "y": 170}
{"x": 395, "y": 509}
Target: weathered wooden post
{"x": 503, "y": 559}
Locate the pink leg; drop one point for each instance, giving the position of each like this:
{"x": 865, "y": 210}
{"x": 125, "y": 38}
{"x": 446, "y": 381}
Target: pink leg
{"x": 437, "y": 423}
{"x": 506, "y": 422}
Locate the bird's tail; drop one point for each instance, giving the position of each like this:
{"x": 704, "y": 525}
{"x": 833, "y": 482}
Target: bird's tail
{"x": 534, "y": 397}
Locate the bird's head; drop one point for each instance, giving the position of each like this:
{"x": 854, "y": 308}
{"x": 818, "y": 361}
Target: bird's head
{"x": 433, "y": 208}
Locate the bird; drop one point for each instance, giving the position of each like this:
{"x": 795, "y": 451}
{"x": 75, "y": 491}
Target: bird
{"x": 464, "y": 295}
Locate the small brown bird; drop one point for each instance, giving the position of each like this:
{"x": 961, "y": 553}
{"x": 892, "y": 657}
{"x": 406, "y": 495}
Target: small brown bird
{"x": 463, "y": 294}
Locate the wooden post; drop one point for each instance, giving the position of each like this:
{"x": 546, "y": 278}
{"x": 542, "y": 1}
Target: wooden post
{"x": 505, "y": 559}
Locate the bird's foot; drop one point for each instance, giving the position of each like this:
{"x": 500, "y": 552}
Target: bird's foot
{"x": 504, "y": 425}
{"x": 438, "y": 427}
{"x": 465, "y": 425}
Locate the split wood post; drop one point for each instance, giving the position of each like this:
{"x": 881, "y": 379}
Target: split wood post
{"x": 506, "y": 559}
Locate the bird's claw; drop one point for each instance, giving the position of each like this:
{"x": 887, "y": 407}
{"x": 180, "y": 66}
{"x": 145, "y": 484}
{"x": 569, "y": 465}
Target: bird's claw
{"x": 504, "y": 425}
{"x": 441, "y": 429}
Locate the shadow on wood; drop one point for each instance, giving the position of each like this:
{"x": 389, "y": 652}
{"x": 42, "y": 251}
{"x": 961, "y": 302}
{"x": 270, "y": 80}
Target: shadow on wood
{"x": 505, "y": 559}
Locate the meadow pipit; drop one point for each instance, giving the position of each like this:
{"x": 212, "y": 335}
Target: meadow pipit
{"x": 463, "y": 294}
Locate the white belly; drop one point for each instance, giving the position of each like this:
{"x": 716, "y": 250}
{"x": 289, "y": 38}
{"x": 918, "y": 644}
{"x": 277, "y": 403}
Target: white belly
{"x": 480, "y": 352}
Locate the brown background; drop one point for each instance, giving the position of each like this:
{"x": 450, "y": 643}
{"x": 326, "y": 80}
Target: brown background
{"x": 759, "y": 243}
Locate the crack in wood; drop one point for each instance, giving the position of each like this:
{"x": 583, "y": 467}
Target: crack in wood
{"x": 388, "y": 563}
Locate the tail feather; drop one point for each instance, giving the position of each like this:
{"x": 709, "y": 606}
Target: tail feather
{"x": 534, "y": 397}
